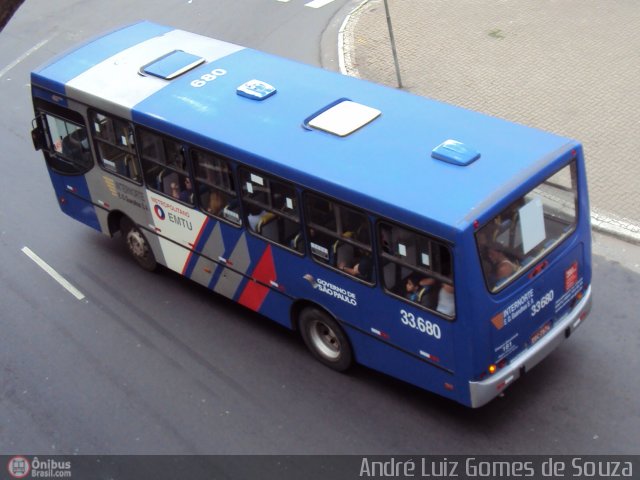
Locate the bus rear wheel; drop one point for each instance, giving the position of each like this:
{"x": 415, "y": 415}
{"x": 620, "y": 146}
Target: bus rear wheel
{"x": 326, "y": 340}
{"x": 137, "y": 245}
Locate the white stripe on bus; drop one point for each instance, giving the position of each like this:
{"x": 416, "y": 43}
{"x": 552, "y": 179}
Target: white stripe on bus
{"x": 96, "y": 83}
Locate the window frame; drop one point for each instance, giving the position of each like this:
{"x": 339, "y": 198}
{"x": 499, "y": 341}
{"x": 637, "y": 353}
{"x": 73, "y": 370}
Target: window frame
{"x": 146, "y": 160}
{"x": 384, "y": 258}
{"x": 132, "y": 150}
{"x": 336, "y": 235}
{"x": 522, "y": 270}
{"x": 234, "y": 195}
{"x": 44, "y": 109}
{"x": 244, "y": 201}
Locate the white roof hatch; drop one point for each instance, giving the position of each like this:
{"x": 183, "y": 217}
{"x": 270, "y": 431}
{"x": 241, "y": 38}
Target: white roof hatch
{"x": 343, "y": 118}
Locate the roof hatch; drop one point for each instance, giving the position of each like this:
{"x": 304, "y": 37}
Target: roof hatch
{"x": 172, "y": 65}
{"x": 455, "y": 152}
{"x": 342, "y": 117}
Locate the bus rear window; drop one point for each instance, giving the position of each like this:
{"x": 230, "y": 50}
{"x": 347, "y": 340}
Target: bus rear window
{"x": 528, "y": 229}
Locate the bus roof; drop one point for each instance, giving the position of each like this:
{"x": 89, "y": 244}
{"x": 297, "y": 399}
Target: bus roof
{"x": 385, "y": 166}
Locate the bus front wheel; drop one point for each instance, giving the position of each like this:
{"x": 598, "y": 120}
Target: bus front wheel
{"x": 325, "y": 339}
{"x": 137, "y": 245}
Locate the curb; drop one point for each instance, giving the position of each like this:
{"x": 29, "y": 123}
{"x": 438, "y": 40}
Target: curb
{"x": 606, "y": 223}
{"x": 618, "y": 227}
{"x": 344, "y": 48}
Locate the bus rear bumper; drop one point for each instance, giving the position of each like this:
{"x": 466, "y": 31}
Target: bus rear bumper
{"x": 484, "y": 391}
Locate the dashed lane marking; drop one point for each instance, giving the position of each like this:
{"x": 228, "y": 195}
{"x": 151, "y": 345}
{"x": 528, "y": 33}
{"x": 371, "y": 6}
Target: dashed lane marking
{"x": 55, "y": 275}
{"x": 318, "y": 3}
{"x": 23, "y": 56}
{"x": 313, "y": 3}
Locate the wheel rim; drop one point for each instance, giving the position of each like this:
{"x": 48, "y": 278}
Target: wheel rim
{"x": 137, "y": 244}
{"x": 325, "y": 340}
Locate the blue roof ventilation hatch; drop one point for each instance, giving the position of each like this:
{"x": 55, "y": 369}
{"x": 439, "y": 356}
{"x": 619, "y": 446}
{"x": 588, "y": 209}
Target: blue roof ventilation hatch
{"x": 457, "y": 153}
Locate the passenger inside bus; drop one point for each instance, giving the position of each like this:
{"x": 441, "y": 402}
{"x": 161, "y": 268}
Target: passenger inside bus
{"x": 419, "y": 290}
{"x": 256, "y": 217}
{"x": 431, "y": 294}
{"x": 175, "y": 190}
{"x": 213, "y": 201}
{"x": 362, "y": 269}
{"x": 502, "y": 267}
{"x": 186, "y": 195}
{"x": 446, "y": 303}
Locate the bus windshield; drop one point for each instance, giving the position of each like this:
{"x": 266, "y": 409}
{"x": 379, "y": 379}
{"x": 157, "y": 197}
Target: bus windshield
{"x": 528, "y": 229}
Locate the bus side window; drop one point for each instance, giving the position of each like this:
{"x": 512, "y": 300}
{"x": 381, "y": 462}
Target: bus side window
{"x": 165, "y": 166}
{"x": 68, "y": 150}
{"x": 339, "y": 236}
{"x": 215, "y": 186}
{"x": 417, "y": 268}
{"x": 271, "y": 209}
{"x": 115, "y": 145}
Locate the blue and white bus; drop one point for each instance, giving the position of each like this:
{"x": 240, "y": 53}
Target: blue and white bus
{"x": 440, "y": 246}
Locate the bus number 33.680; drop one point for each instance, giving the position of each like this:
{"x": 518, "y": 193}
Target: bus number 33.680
{"x": 424, "y": 326}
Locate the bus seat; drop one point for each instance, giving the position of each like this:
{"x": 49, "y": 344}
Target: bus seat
{"x": 344, "y": 254}
{"x": 158, "y": 180}
{"x": 296, "y": 241}
{"x": 428, "y": 296}
{"x": 266, "y": 225}
{"x": 389, "y": 275}
{"x": 229, "y": 212}
{"x": 290, "y": 229}
{"x": 131, "y": 167}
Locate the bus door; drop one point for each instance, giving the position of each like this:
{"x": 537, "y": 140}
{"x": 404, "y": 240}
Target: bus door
{"x": 535, "y": 268}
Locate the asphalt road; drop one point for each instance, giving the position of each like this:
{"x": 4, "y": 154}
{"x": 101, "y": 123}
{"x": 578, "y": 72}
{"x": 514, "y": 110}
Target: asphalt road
{"x": 154, "y": 364}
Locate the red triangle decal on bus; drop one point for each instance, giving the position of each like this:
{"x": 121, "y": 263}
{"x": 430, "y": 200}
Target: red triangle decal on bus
{"x": 256, "y": 290}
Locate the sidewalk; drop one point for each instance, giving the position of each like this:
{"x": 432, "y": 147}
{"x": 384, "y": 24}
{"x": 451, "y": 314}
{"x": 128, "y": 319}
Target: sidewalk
{"x": 569, "y": 67}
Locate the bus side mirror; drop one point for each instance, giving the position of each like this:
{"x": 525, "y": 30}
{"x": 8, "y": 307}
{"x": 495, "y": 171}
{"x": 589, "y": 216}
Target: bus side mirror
{"x": 37, "y": 134}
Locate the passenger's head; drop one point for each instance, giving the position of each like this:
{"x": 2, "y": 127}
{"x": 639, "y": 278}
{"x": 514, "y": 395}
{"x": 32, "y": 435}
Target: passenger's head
{"x": 412, "y": 284}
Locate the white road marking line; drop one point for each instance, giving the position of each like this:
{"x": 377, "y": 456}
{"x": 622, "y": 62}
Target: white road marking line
{"x": 318, "y": 3}
{"x": 55, "y": 275}
{"x": 24, "y": 55}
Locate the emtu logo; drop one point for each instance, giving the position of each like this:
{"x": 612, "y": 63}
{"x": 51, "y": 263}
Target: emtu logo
{"x": 19, "y": 467}
{"x": 159, "y": 212}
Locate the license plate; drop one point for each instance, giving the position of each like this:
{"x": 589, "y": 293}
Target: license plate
{"x": 541, "y": 332}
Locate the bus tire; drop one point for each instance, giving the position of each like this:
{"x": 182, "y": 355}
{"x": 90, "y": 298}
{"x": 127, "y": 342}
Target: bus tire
{"x": 137, "y": 245}
{"x": 325, "y": 339}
